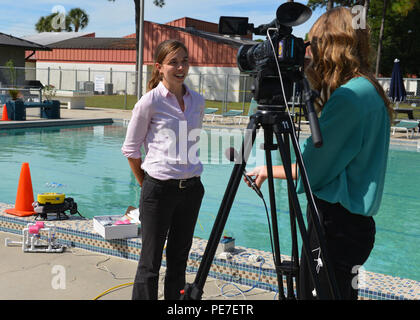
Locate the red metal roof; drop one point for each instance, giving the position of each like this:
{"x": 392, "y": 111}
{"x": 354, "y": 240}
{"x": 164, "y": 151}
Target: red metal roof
{"x": 195, "y": 23}
{"x": 205, "y": 49}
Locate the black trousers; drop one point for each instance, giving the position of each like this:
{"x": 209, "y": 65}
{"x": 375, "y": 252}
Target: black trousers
{"x": 349, "y": 240}
{"x": 168, "y": 212}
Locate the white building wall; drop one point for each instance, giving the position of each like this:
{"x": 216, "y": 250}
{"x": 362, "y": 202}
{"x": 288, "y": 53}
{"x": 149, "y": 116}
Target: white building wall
{"x": 66, "y": 76}
{"x": 214, "y": 83}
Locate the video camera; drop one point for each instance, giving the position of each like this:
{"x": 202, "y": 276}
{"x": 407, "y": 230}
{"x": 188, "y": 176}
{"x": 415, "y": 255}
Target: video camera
{"x": 280, "y": 50}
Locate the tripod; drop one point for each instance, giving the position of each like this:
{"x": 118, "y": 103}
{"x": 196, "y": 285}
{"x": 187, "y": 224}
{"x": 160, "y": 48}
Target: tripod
{"x": 275, "y": 121}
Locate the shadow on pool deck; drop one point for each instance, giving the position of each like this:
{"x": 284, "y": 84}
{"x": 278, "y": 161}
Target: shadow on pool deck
{"x": 35, "y": 276}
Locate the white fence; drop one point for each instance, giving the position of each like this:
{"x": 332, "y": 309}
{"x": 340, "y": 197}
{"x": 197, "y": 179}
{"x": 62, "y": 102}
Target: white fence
{"x": 213, "y": 86}
{"x": 412, "y": 86}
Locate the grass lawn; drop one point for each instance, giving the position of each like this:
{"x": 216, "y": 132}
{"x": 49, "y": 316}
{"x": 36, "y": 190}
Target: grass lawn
{"x": 113, "y": 101}
{"x": 118, "y": 102}
{"x": 416, "y": 111}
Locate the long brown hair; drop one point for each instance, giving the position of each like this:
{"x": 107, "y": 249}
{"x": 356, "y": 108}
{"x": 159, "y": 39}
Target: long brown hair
{"x": 340, "y": 52}
{"x": 163, "y": 49}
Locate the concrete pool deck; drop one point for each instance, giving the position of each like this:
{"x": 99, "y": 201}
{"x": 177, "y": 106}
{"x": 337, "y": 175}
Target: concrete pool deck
{"x": 91, "y": 272}
{"x": 34, "y": 276}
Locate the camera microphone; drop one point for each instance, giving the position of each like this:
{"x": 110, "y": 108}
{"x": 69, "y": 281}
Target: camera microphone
{"x": 262, "y": 29}
{"x": 232, "y": 155}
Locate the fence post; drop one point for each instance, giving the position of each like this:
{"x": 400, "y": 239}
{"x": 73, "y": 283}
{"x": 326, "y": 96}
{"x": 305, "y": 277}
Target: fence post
{"x": 89, "y": 74}
{"x": 75, "y": 80}
{"x": 202, "y": 85}
{"x": 226, "y": 92}
{"x": 59, "y": 82}
{"x": 110, "y": 75}
{"x": 244, "y": 93}
{"x": 199, "y": 83}
{"x": 48, "y": 76}
{"x": 125, "y": 91}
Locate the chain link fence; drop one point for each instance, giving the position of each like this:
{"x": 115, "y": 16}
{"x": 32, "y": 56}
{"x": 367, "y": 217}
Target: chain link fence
{"x": 224, "y": 88}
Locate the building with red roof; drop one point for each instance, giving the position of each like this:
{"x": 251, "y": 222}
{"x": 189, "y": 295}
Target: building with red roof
{"x": 78, "y": 59}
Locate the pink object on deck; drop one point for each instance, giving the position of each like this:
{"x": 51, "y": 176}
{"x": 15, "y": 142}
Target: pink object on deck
{"x": 40, "y": 224}
{"x": 125, "y": 221}
{"x": 33, "y": 229}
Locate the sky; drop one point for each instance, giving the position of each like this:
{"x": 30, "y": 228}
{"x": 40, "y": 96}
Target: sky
{"x": 116, "y": 19}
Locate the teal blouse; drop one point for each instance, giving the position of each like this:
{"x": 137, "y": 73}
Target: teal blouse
{"x": 350, "y": 166}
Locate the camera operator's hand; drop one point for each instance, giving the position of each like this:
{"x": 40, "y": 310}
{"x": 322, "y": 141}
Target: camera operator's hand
{"x": 259, "y": 174}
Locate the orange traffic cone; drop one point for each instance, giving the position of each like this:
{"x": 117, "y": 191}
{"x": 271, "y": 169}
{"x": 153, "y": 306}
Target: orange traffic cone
{"x": 5, "y": 117}
{"x": 25, "y": 195}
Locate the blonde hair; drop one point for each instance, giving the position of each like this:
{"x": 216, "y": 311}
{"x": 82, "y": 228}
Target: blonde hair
{"x": 163, "y": 49}
{"x": 340, "y": 52}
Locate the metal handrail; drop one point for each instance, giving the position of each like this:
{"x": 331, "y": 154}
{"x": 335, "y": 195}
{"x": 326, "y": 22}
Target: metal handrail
{"x": 25, "y": 89}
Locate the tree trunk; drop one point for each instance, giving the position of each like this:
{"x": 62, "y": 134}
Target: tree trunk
{"x": 366, "y": 5}
{"x": 381, "y": 34}
{"x": 330, "y": 4}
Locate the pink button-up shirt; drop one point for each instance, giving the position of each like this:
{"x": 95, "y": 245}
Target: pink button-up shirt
{"x": 170, "y": 136}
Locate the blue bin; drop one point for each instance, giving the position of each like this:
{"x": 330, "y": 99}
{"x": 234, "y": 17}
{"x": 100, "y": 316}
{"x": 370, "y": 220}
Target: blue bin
{"x": 50, "y": 109}
{"x": 16, "y": 110}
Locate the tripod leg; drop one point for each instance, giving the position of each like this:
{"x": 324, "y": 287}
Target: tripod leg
{"x": 268, "y": 146}
{"x": 194, "y": 291}
{"x": 292, "y": 215}
{"x": 298, "y": 212}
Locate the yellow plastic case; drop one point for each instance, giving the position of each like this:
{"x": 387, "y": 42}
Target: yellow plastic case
{"x": 50, "y": 198}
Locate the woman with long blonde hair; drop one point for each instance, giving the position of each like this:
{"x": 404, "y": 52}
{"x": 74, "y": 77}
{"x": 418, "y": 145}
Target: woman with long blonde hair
{"x": 347, "y": 173}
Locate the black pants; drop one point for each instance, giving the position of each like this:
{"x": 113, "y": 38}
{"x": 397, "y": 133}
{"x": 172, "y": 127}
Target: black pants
{"x": 167, "y": 212}
{"x": 349, "y": 240}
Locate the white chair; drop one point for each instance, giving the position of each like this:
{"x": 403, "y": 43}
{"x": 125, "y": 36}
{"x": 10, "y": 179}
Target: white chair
{"x": 406, "y": 126}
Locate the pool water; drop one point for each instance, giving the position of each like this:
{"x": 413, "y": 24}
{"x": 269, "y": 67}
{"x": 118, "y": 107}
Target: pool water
{"x": 86, "y": 164}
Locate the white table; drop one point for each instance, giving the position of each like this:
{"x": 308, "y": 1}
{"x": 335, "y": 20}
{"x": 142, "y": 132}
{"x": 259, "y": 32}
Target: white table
{"x": 74, "y": 99}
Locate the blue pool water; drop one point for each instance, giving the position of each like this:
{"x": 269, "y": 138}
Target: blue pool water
{"x": 86, "y": 164}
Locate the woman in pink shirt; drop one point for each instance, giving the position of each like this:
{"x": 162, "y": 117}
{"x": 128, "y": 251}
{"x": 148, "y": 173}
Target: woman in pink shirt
{"x": 167, "y": 121}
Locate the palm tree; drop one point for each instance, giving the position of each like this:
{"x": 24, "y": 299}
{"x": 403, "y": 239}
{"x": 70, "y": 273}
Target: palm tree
{"x": 79, "y": 18}
{"x": 45, "y": 24}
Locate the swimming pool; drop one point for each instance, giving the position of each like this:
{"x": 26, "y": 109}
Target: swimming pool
{"x": 86, "y": 164}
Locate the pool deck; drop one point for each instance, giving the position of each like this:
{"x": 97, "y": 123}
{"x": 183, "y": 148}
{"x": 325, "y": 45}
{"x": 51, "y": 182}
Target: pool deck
{"x": 34, "y": 276}
{"x": 93, "y": 267}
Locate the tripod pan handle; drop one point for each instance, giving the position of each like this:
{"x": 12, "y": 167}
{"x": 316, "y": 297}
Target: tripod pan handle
{"x": 316, "y": 132}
